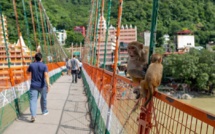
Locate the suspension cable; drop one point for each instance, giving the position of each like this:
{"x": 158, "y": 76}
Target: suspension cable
{"x": 116, "y": 50}
{"x": 92, "y": 31}
{"x": 38, "y": 25}
{"x": 44, "y": 36}
{"x": 100, "y": 33}
{"x": 96, "y": 33}
{"x": 19, "y": 37}
{"x": 34, "y": 29}
{"x": 27, "y": 28}
{"x": 88, "y": 35}
{"x": 47, "y": 38}
{"x": 107, "y": 29}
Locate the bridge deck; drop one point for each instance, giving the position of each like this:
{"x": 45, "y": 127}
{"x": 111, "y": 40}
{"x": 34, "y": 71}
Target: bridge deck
{"x": 68, "y": 112}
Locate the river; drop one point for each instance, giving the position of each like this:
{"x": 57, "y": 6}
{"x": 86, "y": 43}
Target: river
{"x": 204, "y": 103}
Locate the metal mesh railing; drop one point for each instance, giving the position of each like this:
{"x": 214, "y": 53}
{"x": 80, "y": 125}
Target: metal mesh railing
{"x": 165, "y": 115}
{"x": 14, "y": 100}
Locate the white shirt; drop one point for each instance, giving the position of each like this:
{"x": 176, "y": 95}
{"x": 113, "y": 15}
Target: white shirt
{"x": 80, "y": 64}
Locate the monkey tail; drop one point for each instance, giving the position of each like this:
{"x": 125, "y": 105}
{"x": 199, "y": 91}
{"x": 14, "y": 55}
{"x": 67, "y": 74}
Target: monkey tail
{"x": 150, "y": 95}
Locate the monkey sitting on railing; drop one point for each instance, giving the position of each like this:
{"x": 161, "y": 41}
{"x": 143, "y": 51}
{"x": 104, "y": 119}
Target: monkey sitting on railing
{"x": 137, "y": 63}
{"x": 152, "y": 78}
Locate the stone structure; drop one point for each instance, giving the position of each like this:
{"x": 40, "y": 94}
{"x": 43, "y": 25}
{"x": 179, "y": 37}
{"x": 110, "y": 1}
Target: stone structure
{"x": 127, "y": 35}
{"x": 14, "y": 50}
{"x": 61, "y": 35}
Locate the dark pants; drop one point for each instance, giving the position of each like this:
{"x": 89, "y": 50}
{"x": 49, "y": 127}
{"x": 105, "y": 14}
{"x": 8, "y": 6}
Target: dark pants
{"x": 74, "y": 75}
{"x": 79, "y": 73}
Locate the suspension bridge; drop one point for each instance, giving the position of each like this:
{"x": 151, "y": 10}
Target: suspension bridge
{"x": 102, "y": 102}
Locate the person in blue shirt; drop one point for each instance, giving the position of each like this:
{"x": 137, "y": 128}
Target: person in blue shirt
{"x": 39, "y": 84}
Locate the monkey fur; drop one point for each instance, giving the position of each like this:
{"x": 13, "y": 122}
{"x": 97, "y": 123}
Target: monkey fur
{"x": 152, "y": 78}
{"x": 138, "y": 60}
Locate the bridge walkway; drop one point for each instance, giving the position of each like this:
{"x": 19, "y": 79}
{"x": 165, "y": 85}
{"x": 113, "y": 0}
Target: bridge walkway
{"x": 68, "y": 112}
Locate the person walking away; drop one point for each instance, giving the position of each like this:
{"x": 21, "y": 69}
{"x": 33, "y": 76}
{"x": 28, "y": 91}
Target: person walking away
{"x": 39, "y": 85}
{"x": 68, "y": 66}
{"x": 75, "y": 68}
{"x": 80, "y": 69}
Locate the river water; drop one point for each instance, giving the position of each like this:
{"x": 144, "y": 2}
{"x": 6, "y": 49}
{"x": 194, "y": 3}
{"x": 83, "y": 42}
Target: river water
{"x": 203, "y": 103}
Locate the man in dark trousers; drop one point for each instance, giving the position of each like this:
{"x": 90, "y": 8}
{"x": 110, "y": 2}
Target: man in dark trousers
{"x": 75, "y": 69}
{"x": 39, "y": 84}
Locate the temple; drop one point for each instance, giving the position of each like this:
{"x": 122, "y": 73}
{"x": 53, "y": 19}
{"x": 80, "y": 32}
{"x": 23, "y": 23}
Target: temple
{"x": 12, "y": 51}
{"x": 127, "y": 35}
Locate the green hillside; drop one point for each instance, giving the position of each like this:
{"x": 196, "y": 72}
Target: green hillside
{"x": 196, "y": 15}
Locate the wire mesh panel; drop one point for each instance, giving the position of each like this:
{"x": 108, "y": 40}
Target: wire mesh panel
{"x": 164, "y": 115}
{"x": 170, "y": 116}
{"x": 125, "y": 109}
{"x": 15, "y": 100}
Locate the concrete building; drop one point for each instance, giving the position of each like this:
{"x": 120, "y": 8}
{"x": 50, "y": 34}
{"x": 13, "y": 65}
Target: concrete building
{"x": 147, "y": 38}
{"x": 127, "y": 35}
{"x": 61, "y": 35}
{"x": 185, "y": 40}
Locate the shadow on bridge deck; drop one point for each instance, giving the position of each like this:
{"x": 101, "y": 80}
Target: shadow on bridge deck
{"x": 68, "y": 112}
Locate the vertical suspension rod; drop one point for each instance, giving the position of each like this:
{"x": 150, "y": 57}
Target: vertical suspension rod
{"x": 44, "y": 36}
{"x": 94, "y": 34}
{"x": 19, "y": 37}
{"x": 38, "y": 26}
{"x": 53, "y": 33}
{"x": 153, "y": 28}
{"x": 27, "y": 27}
{"x": 92, "y": 29}
{"x": 113, "y": 95}
{"x": 34, "y": 29}
{"x": 106, "y": 35}
{"x": 87, "y": 38}
{"x": 117, "y": 48}
{"x": 100, "y": 33}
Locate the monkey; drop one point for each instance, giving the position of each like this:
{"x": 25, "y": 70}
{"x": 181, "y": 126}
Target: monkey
{"x": 152, "y": 78}
{"x": 137, "y": 63}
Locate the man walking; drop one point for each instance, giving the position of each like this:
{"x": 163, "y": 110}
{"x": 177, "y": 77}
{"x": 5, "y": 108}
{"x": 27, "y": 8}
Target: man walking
{"x": 68, "y": 66}
{"x": 39, "y": 84}
{"x": 80, "y": 69}
{"x": 74, "y": 68}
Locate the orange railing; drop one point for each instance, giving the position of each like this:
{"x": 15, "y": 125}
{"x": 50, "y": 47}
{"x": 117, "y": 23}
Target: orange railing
{"x": 17, "y": 75}
{"x": 163, "y": 116}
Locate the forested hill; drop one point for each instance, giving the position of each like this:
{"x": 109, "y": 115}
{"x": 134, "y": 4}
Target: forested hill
{"x": 173, "y": 15}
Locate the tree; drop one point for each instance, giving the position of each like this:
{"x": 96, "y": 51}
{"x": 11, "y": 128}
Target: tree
{"x": 74, "y": 37}
{"x": 195, "y": 68}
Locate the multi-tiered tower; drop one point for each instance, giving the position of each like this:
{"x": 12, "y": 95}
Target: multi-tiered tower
{"x": 14, "y": 50}
{"x": 127, "y": 35}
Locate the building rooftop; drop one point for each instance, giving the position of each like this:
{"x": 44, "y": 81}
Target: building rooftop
{"x": 184, "y": 32}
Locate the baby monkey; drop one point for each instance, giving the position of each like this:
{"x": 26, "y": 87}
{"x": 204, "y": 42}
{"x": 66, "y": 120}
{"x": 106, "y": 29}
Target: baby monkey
{"x": 152, "y": 78}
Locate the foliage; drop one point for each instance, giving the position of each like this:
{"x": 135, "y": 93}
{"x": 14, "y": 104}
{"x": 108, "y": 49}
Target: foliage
{"x": 213, "y": 48}
{"x": 196, "y": 68}
{"x": 196, "y": 15}
{"x": 75, "y": 38}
